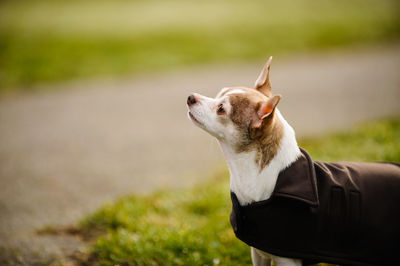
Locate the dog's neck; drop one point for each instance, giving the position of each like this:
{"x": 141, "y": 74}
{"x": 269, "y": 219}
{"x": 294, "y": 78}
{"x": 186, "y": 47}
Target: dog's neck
{"x": 247, "y": 181}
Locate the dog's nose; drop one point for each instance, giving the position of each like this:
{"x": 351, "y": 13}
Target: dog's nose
{"x": 191, "y": 99}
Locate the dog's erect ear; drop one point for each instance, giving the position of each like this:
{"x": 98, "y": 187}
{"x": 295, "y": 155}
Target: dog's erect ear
{"x": 263, "y": 83}
{"x": 265, "y": 109}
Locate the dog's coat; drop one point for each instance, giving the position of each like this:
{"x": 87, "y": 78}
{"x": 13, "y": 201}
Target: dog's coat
{"x": 343, "y": 213}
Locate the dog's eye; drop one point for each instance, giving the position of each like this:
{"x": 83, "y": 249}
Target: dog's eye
{"x": 221, "y": 109}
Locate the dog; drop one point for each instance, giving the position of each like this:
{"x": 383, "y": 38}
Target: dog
{"x": 289, "y": 209}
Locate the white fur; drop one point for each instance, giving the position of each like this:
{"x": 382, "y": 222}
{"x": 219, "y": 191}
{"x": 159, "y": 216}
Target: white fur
{"x": 205, "y": 112}
{"x": 258, "y": 259}
{"x": 261, "y": 258}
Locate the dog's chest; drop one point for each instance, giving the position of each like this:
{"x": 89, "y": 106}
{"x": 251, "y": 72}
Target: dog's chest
{"x": 246, "y": 180}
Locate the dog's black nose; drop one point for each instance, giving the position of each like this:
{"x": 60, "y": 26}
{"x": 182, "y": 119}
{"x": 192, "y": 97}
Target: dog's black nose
{"x": 191, "y": 99}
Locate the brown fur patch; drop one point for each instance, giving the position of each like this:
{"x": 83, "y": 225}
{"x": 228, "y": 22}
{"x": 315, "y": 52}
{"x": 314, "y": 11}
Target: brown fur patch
{"x": 269, "y": 140}
{"x": 265, "y": 140}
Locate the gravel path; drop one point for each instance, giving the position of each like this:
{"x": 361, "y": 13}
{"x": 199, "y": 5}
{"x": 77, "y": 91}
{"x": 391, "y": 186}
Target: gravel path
{"x": 64, "y": 152}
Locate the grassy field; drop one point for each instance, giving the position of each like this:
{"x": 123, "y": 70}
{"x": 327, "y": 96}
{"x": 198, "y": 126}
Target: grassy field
{"x": 47, "y": 41}
{"x": 191, "y": 226}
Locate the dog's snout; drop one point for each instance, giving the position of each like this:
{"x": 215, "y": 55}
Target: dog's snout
{"x": 191, "y": 99}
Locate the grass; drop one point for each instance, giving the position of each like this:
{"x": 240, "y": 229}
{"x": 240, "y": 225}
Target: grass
{"x": 191, "y": 226}
{"x": 47, "y": 41}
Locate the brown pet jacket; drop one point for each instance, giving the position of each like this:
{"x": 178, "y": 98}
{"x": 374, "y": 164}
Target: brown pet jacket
{"x": 342, "y": 213}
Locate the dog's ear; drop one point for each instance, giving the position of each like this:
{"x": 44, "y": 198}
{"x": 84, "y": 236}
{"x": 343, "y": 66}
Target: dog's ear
{"x": 265, "y": 109}
{"x": 263, "y": 83}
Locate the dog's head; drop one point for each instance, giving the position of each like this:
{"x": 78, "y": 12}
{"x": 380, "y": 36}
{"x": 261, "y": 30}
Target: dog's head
{"x": 242, "y": 117}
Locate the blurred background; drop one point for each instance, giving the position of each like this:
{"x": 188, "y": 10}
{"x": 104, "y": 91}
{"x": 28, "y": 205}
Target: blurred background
{"x": 93, "y": 94}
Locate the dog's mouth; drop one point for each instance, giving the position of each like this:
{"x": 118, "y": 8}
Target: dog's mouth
{"x": 194, "y": 118}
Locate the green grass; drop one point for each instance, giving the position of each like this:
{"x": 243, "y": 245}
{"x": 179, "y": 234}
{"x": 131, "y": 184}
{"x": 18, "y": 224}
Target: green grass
{"x": 191, "y": 226}
{"x": 372, "y": 142}
{"x": 49, "y": 41}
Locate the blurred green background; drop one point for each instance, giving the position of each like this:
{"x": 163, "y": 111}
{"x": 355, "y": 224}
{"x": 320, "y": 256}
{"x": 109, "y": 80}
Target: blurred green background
{"x": 47, "y": 41}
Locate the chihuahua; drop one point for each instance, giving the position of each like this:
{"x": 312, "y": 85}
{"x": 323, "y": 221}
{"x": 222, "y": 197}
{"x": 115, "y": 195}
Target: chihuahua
{"x": 315, "y": 207}
{"x": 256, "y": 140}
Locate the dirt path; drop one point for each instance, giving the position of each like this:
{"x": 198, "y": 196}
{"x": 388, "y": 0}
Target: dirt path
{"x": 65, "y": 152}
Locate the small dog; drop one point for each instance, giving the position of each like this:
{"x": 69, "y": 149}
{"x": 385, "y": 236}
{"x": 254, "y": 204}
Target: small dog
{"x": 289, "y": 209}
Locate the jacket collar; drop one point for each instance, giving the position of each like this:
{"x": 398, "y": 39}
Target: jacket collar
{"x": 298, "y": 181}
